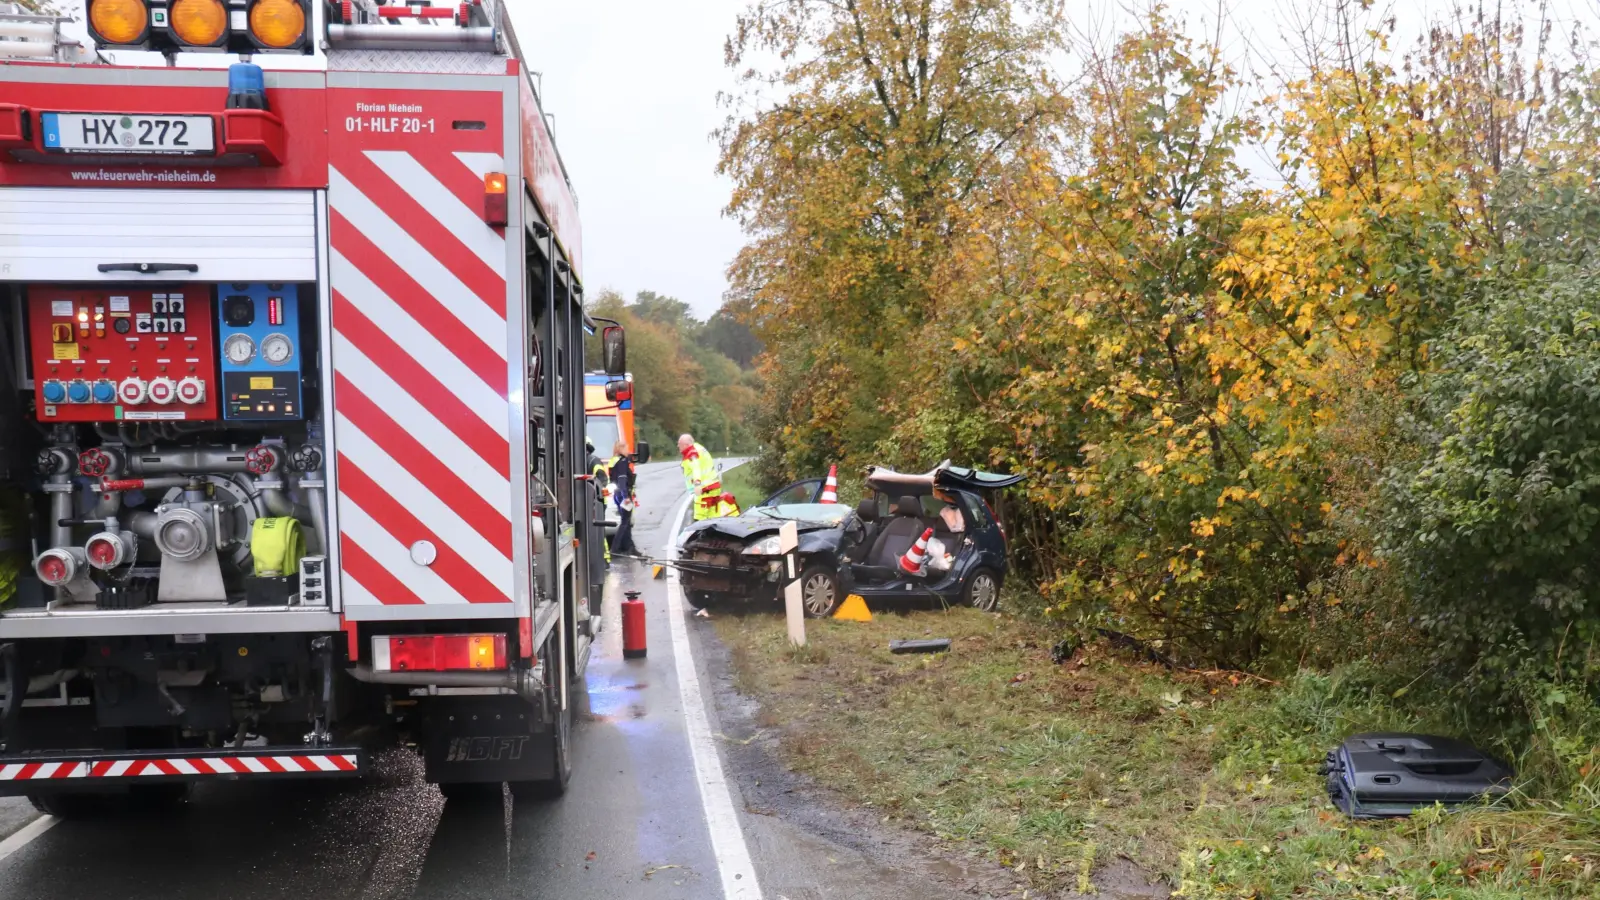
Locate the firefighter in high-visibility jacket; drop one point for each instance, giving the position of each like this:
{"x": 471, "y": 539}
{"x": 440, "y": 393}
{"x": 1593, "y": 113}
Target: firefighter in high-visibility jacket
{"x": 701, "y": 478}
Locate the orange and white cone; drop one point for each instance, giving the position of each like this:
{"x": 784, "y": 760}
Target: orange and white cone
{"x": 915, "y": 562}
{"x": 830, "y": 488}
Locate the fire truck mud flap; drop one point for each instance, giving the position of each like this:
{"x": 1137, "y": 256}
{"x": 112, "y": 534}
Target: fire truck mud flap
{"x": 112, "y": 770}
{"x": 489, "y": 739}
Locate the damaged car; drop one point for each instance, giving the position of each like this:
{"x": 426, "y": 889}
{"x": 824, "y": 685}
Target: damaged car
{"x": 859, "y": 550}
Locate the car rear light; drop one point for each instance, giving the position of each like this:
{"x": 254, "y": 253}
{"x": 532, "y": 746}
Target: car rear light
{"x": 997, "y": 522}
{"x": 438, "y": 652}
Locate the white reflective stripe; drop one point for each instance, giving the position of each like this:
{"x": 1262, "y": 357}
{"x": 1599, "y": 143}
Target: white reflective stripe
{"x": 415, "y": 419}
{"x": 389, "y": 553}
{"x": 184, "y": 766}
{"x": 253, "y": 764}
{"x": 9, "y": 772}
{"x": 218, "y": 765}
{"x": 355, "y": 594}
{"x": 482, "y": 164}
{"x": 463, "y": 222}
{"x": 118, "y": 767}
{"x": 325, "y": 763}
{"x": 380, "y": 654}
{"x": 288, "y": 764}
{"x": 151, "y": 768}
{"x": 446, "y": 524}
{"x": 80, "y": 770}
{"x": 395, "y": 243}
{"x": 47, "y": 769}
{"x": 350, "y": 758}
{"x": 419, "y": 343}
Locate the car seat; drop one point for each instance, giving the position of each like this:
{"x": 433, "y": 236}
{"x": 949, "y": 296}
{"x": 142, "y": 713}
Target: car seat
{"x": 883, "y": 561}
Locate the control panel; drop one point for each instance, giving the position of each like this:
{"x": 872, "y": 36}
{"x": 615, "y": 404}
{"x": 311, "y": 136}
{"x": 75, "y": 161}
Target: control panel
{"x": 259, "y": 325}
{"x": 122, "y": 353}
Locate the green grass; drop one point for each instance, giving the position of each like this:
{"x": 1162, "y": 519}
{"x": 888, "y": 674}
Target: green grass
{"x": 741, "y": 480}
{"x": 1206, "y": 779}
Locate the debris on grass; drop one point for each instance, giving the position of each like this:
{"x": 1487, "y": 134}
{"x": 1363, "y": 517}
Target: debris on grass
{"x": 1206, "y": 780}
{"x": 936, "y": 645}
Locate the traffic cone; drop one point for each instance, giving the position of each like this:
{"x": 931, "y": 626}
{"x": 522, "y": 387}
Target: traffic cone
{"x": 916, "y": 559}
{"x": 830, "y": 488}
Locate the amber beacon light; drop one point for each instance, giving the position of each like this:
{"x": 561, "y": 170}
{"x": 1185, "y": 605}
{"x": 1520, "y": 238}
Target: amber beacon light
{"x": 495, "y": 208}
{"x": 119, "y": 22}
{"x": 198, "y": 23}
{"x": 278, "y": 24}
{"x": 173, "y": 26}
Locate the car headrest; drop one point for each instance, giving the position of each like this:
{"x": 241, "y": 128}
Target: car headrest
{"x": 867, "y": 509}
{"x": 908, "y": 506}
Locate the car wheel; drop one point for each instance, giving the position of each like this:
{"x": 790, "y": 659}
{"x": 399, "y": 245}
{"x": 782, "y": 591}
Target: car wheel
{"x": 819, "y": 591}
{"x": 983, "y": 590}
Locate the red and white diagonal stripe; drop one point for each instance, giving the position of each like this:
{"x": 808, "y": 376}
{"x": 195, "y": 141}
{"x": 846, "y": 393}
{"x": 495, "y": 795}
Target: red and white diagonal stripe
{"x": 198, "y": 766}
{"x": 421, "y": 415}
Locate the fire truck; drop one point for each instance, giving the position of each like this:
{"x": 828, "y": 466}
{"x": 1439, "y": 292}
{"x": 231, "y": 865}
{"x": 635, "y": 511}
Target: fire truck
{"x": 291, "y": 401}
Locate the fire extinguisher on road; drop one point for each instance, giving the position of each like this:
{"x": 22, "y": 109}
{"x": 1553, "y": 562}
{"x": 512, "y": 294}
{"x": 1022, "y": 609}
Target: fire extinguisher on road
{"x": 633, "y": 640}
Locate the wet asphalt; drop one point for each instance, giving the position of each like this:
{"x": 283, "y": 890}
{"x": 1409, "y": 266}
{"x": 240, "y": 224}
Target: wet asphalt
{"x": 632, "y": 824}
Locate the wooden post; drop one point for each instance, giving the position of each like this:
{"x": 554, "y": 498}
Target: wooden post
{"x": 788, "y": 540}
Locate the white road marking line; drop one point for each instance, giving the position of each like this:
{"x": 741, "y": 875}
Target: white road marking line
{"x": 722, "y": 820}
{"x": 26, "y": 835}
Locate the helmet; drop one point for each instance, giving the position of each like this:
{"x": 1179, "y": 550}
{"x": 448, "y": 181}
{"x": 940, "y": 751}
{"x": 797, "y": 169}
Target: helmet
{"x": 588, "y": 445}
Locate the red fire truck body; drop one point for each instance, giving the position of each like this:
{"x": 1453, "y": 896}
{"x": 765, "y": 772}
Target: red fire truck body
{"x": 292, "y": 412}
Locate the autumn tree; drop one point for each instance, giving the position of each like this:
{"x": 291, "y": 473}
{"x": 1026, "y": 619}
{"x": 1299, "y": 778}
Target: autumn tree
{"x": 853, "y": 159}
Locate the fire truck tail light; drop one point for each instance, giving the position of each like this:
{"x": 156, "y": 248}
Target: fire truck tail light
{"x": 438, "y": 652}
{"x": 495, "y": 208}
{"x": 199, "y": 23}
{"x": 119, "y": 21}
{"x": 279, "y": 24}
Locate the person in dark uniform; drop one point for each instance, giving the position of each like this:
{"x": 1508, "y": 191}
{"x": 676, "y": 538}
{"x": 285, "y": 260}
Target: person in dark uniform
{"x": 597, "y": 482}
{"x": 621, "y": 472}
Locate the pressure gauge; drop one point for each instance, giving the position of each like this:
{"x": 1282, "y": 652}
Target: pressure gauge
{"x": 276, "y": 349}
{"x": 239, "y": 349}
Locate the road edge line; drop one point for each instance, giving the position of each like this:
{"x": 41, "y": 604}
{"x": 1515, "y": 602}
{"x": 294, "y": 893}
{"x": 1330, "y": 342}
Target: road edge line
{"x": 738, "y": 873}
{"x": 25, "y": 835}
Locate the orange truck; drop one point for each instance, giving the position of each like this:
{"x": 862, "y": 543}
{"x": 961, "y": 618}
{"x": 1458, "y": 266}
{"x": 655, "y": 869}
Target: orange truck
{"x": 608, "y": 418}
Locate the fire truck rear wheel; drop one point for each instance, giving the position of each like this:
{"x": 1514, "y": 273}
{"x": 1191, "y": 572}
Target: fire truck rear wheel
{"x": 159, "y": 796}
{"x": 556, "y": 785}
{"x": 68, "y": 806}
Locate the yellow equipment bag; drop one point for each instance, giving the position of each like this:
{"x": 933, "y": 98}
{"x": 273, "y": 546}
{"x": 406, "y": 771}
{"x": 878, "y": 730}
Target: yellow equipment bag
{"x": 276, "y": 544}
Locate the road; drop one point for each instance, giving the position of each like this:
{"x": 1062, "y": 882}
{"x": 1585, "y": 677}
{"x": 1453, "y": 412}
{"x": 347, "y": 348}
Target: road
{"x": 656, "y": 809}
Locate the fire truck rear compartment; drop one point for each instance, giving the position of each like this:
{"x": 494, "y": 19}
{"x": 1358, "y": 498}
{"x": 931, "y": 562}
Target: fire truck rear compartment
{"x": 168, "y": 447}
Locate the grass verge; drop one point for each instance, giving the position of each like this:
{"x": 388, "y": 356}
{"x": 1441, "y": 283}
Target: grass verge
{"x": 1208, "y": 780}
{"x": 741, "y": 480}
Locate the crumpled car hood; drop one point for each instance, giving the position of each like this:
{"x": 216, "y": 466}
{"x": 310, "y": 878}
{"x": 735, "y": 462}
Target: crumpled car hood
{"x": 748, "y": 527}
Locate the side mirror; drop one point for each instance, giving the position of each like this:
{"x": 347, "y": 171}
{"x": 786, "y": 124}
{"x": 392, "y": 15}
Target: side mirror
{"x": 617, "y": 391}
{"x": 614, "y": 350}
{"x": 641, "y": 452}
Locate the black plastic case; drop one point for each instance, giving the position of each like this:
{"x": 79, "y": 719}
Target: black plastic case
{"x": 1375, "y": 776}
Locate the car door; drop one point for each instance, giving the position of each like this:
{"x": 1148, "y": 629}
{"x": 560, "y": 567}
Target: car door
{"x": 806, "y": 491}
{"x": 987, "y": 536}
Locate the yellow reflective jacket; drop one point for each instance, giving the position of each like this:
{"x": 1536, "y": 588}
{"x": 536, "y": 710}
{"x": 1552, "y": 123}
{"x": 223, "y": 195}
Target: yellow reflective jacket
{"x": 699, "y": 469}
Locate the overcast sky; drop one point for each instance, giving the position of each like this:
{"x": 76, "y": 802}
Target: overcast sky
{"x": 633, "y": 87}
